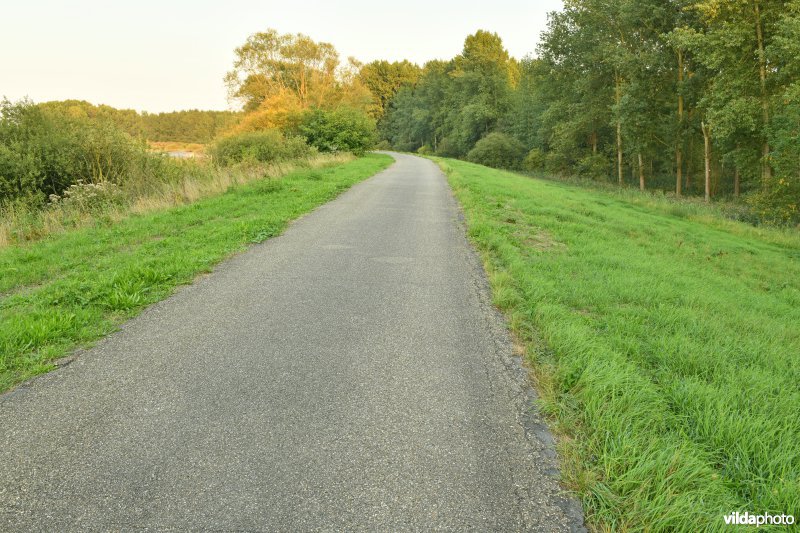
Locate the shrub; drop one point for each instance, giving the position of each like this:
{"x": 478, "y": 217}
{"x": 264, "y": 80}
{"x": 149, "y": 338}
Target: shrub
{"x": 90, "y": 197}
{"x": 497, "y": 150}
{"x": 557, "y": 163}
{"x": 383, "y": 145}
{"x": 44, "y": 152}
{"x": 340, "y": 130}
{"x": 778, "y": 201}
{"x": 595, "y": 166}
{"x": 534, "y": 160}
{"x": 447, "y": 148}
{"x": 258, "y": 146}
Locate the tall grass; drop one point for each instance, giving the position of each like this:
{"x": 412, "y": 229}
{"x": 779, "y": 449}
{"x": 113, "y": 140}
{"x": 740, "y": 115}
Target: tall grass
{"x": 191, "y": 181}
{"x": 664, "y": 340}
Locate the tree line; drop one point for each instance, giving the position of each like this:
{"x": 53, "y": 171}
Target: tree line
{"x": 696, "y": 97}
{"x": 701, "y": 98}
{"x": 191, "y": 126}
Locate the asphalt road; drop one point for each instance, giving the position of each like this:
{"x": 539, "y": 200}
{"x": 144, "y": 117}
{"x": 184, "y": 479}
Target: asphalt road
{"x": 348, "y": 375}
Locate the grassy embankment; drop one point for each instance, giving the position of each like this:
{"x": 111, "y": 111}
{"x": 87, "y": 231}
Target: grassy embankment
{"x": 71, "y": 288}
{"x": 664, "y": 340}
{"x": 182, "y": 182}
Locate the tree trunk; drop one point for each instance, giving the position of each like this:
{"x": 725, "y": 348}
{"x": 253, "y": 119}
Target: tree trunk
{"x": 618, "y": 97}
{"x": 736, "y": 182}
{"x": 679, "y": 140}
{"x": 303, "y": 90}
{"x": 689, "y": 164}
{"x": 641, "y": 172}
{"x": 594, "y": 142}
{"x": 707, "y": 156}
{"x": 762, "y": 75}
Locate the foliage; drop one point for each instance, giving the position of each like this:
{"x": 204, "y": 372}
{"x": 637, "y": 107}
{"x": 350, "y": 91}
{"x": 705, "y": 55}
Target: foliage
{"x": 593, "y": 166}
{"x": 384, "y": 79}
{"x": 44, "y": 153}
{"x": 298, "y": 86}
{"x": 270, "y": 65}
{"x": 663, "y": 341}
{"x": 454, "y": 103}
{"x": 498, "y": 150}
{"x": 69, "y": 290}
{"x": 342, "y": 129}
{"x": 778, "y": 202}
{"x": 192, "y": 126}
{"x": 534, "y": 160}
{"x": 624, "y": 90}
{"x": 259, "y": 146}
{"x": 89, "y": 196}
{"x": 276, "y": 111}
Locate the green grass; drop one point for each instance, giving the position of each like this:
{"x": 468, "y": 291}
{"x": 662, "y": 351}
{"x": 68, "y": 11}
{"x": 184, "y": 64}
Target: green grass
{"x": 665, "y": 342}
{"x": 70, "y": 289}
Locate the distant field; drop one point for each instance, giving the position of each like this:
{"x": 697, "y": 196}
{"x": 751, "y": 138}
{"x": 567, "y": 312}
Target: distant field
{"x": 69, "y": 289}
{"x": 173, "y": 146}
{"x": 665, "y": 342}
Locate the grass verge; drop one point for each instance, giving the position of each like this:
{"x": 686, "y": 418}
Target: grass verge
{"x": 183, "y": 182}
{"x": 69, "y": 289}
{"x": 664, "y": 342}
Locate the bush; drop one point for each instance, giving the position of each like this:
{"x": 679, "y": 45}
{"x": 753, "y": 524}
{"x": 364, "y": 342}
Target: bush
{"x": 778, "y": 201}
{"x": 534, "y": 160}
{"x": 89, "y": 197}
{"x": 556, "y": 162}
{"x": 339, "y": 130}
{"x": 258, "y": 146}
{"x": 595, "y": 166}
{"x": 498, "y": 150}
{"x": 44, "y": 152}
{"x": 447, "y": 148}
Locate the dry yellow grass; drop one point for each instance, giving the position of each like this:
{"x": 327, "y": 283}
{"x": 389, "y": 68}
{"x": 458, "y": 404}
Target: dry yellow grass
{"x": 174, "y": 146}
{"x": 20, "y": 225}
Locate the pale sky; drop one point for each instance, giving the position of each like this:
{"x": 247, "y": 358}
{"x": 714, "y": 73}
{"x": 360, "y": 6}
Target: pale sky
{"x": 172, "y": 54}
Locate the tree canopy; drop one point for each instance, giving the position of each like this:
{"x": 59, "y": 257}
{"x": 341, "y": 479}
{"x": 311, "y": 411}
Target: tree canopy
{"x": 696, "y": 97}
{"x": 277, "y": 76}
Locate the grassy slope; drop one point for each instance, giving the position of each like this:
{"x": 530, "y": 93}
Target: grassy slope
{"x": 70, "y": 289}
{"x": 666, "y": 345}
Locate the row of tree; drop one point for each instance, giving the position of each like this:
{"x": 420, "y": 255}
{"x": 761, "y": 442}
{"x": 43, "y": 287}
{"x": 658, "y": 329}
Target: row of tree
{"x": 192, "y": 126}
{"x": 699, "y": 97}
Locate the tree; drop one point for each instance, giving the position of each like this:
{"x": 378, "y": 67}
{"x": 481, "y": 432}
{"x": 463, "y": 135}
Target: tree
{"x": 343, "y": 129}
{"x": 483, "y": 77}
{"x": 732, "y": 42}
{"x": 271, "y": 66}
{"x": 384, "y": 79}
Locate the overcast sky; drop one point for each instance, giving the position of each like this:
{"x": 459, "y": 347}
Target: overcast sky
{"x": 172, "y": 54}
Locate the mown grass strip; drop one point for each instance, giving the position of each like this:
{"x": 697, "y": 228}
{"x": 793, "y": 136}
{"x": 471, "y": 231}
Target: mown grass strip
{"x": 70, "y": 289}
{"x": 666, "y": 347}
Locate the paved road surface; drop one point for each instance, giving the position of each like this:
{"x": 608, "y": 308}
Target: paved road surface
{"x": 347, "y": 375}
